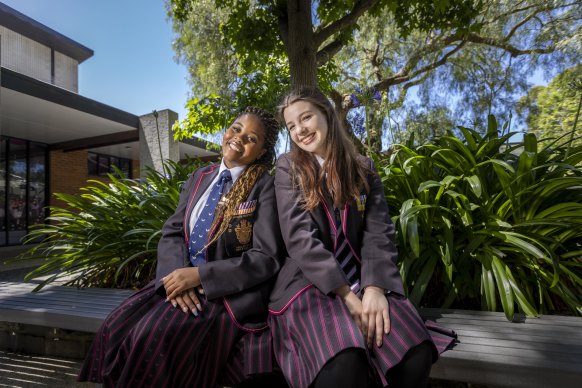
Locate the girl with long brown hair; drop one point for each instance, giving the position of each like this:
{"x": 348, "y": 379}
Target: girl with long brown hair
{"x": 338, "y": 312}
{"x": 193, "y": 326}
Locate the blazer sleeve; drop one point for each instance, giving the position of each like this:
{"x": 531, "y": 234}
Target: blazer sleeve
{"x": 257, "y": 264}
{"x": 300, "y": 234}
{"x": 379, "y": 253}
{"x": 172, "y": 250}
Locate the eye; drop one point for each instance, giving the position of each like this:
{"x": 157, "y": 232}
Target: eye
{"x": 253, "y": 139}
{"x": 290, "y": 128}
{"x": 306, "y": 117}
{"x": 235, "y": 129}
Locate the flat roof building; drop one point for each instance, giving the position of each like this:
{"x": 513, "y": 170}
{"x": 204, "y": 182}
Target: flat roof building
{"x": 51, "y": 138}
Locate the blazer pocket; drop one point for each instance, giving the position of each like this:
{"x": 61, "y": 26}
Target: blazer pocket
{"x": 239, "y": 235}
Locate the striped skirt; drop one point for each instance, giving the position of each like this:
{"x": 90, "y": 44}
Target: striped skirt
{"x": 316, "y": 327}
{"x": 146, "y": 342}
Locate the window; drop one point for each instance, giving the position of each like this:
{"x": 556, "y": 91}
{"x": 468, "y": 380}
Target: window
{"x": 99, "y": 164}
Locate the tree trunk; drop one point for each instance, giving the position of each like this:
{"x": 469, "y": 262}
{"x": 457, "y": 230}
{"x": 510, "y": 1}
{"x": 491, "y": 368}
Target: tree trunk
{"x": 300, "y": 50}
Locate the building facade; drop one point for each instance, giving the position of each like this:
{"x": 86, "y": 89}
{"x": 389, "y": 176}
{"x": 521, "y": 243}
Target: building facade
{"x": 51, "y": 138}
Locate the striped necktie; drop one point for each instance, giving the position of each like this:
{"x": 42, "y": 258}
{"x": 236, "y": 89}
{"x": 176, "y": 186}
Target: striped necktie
{"x": 345, "y": 257}
{"x": 199, "y": 235}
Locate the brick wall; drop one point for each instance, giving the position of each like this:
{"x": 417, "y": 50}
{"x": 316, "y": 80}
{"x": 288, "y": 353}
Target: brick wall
{"x": 68, "y": 173}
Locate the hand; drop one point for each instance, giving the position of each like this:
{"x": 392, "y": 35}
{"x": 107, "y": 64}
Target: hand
{"x": 180, "y": 280}
{"x": 375, "y": 315}
{"x": 353, "y": 303}
{"x": 188, "y": 301}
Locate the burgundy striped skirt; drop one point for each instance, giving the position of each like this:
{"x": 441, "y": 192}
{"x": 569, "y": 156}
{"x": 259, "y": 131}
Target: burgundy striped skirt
{"x": 315, "y": 328}
{"x": 146, "y": 342}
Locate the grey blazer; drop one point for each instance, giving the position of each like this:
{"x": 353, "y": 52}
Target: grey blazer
{"x": 310, "y": 239}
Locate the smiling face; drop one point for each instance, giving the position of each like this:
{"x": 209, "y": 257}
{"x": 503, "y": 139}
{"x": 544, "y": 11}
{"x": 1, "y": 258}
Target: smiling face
{"x": 307, "y": 126}
{"x": 243, "y": 142}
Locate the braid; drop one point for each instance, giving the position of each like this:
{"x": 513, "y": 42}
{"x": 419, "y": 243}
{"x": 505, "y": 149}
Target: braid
{"x": 243, "y": 185}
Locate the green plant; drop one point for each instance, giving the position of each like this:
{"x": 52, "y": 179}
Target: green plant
{"x": 483, "y": 221}
{"x": 108, "y": 235}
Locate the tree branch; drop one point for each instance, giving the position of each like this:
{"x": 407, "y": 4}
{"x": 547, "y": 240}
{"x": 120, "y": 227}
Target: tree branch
{"x": 514, "y": 51}
{"x": 327, "y": 53}
{"x": 348, "y": 20}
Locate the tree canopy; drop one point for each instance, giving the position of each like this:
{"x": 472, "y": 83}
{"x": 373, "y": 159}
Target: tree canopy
{"x": 251, "y": 51}
{"x": 550, "y": 111}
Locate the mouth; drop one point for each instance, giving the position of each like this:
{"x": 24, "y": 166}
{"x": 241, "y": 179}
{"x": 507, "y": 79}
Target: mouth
{"x": 308, "y": 139}
{"x": 234, "y": 146}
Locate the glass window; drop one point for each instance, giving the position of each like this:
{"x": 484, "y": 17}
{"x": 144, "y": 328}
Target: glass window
{"x": 3, "y": 211}
{"x": 36, "y": 183}
{"x": 92, "y": 164}
{"x": 17, "y": 184}
{"x": 103, "y": 168}
{"x": 98, "y": 164}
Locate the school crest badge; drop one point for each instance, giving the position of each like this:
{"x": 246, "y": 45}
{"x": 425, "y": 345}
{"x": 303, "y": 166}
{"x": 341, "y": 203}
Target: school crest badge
{"x": 244, "y": 231}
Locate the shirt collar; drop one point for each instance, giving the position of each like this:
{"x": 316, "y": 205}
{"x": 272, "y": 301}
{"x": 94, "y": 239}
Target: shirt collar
{"x": 319, "y": 159}
{"x": 235, "y": 172}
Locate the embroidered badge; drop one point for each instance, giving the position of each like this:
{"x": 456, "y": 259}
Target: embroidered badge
{"x": 246, "y": 207}
{"x": 361, "y": 202}
{"x": 244, "y": 231}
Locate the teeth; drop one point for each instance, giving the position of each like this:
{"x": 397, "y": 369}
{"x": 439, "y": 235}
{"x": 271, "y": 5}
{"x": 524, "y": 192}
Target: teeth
{"x": 234, "y": 147}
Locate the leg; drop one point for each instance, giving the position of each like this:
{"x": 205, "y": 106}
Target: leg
{"x": 413, "y": 370}
{"x": 348, "y": 368}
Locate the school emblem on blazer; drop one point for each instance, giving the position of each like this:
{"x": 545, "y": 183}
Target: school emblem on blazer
{"x": 244, "y": 232}
{"x": 361, "y": 202}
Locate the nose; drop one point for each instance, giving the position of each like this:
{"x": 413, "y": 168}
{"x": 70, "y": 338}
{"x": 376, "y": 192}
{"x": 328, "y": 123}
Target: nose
{"x": 301, "y": 129}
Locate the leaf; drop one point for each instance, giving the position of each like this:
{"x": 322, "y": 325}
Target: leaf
{"x": 475, "y": 184}
{"x": 421, "y": 282}
{"x": 503, "y": 287}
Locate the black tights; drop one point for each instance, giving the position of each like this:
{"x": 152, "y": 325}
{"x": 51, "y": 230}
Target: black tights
{"x": 349, "y": 368}
{"x": 413, "y": 370}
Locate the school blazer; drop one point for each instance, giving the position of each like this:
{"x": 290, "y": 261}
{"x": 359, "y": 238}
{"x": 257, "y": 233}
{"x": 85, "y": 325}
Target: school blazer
{"x": 310, "y": 239}
{"x": 241, "y": 264}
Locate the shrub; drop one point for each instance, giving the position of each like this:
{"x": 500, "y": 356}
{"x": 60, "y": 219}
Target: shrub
{"x": 482, "y": 222}
{"x": 108, "y": 235}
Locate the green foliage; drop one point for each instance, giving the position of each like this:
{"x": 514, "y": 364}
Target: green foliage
{"x": 550, "y": 111}
{"x": 108, "y": 235}
{"x": 238, "y": 50}
{"x": 484, "y": 222}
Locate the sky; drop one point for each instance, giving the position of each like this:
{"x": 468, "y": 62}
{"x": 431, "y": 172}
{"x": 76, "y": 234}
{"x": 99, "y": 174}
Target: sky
{"x": 133, "y": 66}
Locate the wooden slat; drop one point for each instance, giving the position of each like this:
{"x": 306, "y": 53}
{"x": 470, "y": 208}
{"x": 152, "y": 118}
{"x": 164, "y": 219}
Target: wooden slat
{"x": 57, "y": 306}
{"x": 530, "y": 352}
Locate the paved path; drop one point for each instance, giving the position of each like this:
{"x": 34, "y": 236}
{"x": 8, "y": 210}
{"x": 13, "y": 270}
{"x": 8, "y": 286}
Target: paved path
{"x": 20, "y": 370}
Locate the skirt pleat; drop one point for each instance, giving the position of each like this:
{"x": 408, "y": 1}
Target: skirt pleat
{"x": 146, "y": 342}
{"x": 316, "y": 327}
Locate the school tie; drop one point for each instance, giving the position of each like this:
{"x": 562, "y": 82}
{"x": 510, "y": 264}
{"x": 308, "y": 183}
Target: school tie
{"x": 345, "y": 257}
{"x": 199, "y": 235}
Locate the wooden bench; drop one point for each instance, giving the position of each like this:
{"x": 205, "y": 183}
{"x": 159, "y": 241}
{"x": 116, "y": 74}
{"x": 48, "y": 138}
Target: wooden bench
{"x": 529, "y": 352}
{"x": 542, "y": 352}
{"x": 60, "y": 307}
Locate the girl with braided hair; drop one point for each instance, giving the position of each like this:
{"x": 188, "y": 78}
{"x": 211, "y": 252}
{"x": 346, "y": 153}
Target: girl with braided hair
{"x": 197, "y": 323}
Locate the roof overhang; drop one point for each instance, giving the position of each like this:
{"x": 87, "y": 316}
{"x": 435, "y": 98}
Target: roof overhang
{"x": 34, "y": 110}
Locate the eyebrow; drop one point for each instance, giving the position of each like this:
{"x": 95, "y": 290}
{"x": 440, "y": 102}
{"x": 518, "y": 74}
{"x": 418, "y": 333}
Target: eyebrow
{"x": 301, "y": 114}
{"x": 253, "y": 132}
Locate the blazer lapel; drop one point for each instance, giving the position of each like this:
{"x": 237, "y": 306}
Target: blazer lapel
{"x": 200, "y": 187}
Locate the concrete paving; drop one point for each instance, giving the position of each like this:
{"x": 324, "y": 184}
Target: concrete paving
{"x": 24, "y": 371}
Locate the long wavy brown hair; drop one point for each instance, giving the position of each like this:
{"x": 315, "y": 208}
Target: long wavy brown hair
{"x": 343, "y": 174}
{"x": 243, "y": 185}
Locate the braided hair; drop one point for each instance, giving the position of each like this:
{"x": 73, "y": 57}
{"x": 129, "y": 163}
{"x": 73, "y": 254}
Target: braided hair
{"x": 243, "y": 185}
